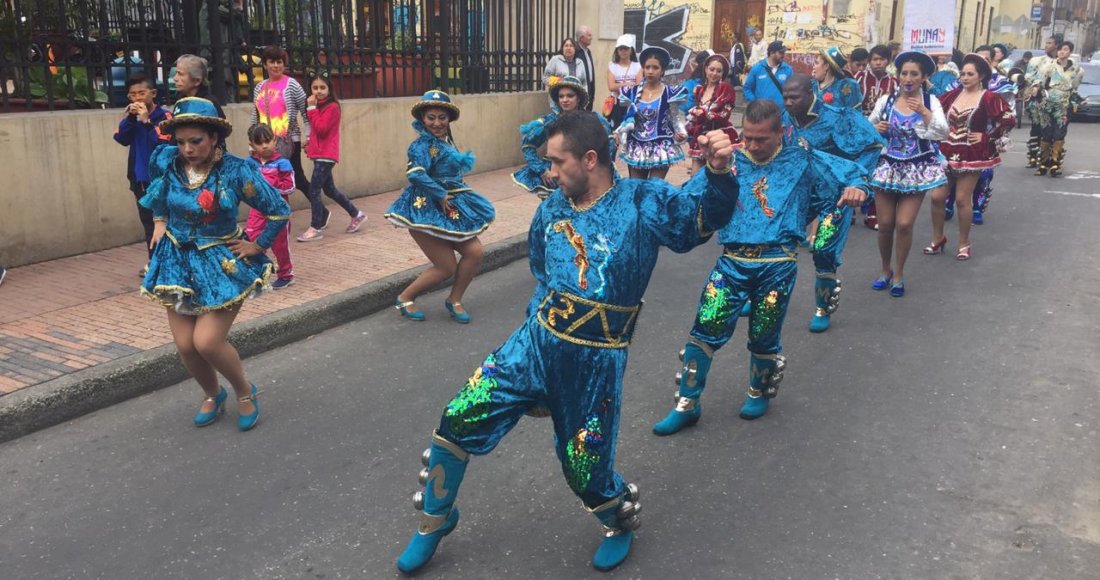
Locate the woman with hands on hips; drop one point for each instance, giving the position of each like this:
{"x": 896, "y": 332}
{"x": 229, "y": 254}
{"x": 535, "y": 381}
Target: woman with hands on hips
{"x": 203, "y": 266}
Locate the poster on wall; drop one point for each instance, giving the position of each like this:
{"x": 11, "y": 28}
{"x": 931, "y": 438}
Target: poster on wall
{"x": 929, "y": 26}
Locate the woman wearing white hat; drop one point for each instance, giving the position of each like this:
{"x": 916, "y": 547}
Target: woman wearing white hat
{"x": 623, "y": 71}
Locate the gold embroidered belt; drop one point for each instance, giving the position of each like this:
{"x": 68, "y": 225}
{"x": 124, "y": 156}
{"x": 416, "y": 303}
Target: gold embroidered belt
{"x": 587, "y": 322}
{"x": 761, "y": 253}
{"x": 204, "y": 242}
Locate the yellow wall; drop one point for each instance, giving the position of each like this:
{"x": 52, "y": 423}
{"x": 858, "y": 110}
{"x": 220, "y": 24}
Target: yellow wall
{"x": 807, "y": 26}
{"x": 64, "y": 178}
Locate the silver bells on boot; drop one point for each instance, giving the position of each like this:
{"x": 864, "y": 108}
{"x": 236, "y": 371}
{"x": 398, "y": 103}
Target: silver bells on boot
{"x": 774, "y": 376}
{"x": 422, "y": 477}
{"x": 832, "y": 302}
{"x": 627, "y": 513}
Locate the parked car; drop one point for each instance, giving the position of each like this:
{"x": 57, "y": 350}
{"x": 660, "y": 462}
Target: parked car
{"x": 1088, "y": 109}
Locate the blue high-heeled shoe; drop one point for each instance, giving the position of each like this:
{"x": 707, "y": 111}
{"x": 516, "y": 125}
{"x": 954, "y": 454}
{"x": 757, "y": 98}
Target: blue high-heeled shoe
{"x": 459, "y": 317}
{"x": 882, "y": 282}
{"x": 204, "y": 419}
{"x": 403, "y": 308}
{"x": 898, "y": 290}
{"x": 247, "y": 422}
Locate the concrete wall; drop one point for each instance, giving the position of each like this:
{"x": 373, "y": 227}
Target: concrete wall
{"x": 63, "y": 188}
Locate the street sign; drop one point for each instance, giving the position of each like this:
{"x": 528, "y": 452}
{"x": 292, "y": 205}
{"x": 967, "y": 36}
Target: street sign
{"x": 1037, "y": 13}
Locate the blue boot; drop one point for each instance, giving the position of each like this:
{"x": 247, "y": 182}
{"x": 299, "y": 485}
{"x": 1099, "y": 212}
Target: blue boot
{"x": 691, "y": 379}
{"x": 445, "y": 466}
{"x": 765, "y": 374}
{"x": 619, "y": 518}
{"x": 826, "y": 298}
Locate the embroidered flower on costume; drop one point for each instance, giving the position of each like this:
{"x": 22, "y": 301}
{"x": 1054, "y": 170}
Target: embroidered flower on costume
{"x": 420, "y": 202}
{"x": 249, "y": 190}
{"x": 828, "y": 98}
{"x": 206, "y": 202}
{"x": 230, "y": 266}
{"x": 453, "y": 214}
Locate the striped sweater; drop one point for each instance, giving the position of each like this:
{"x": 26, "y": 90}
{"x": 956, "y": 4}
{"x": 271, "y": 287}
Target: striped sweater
{"x": 278, "y": 105}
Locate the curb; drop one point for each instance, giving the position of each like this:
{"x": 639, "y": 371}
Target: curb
{"x": 71, "y": 396}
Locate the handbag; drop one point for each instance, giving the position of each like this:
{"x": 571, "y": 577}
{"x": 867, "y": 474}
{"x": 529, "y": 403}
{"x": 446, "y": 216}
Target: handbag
{"x": 609, "y": 105}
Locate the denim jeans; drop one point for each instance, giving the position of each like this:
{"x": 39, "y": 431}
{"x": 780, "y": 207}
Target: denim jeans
{"x": 322, "y": 181}
{"x": 145, "y": 215}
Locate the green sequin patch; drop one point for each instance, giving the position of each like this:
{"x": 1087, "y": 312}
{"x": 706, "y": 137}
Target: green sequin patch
{"x": 581, "y": 453}
{"x": 714, "y": 308}
{"x": 471, "y": 405}
{"x": 766, "y": 313}
{"x": 826, "y": 230}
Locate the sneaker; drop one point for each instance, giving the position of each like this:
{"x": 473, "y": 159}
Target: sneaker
{"x": 356, "y": 222}
{"x": 977, "y": 218}
{"x": 282, "y": 283}
{"x": 311, "y": 235}
{"x": 328, "y": 216}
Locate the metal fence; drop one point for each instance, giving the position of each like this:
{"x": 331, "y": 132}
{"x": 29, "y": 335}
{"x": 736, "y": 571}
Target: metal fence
{"x": 70, "y": 54}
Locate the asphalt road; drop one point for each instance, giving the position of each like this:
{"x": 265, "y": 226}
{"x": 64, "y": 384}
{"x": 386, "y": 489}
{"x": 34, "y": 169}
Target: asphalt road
{"x": 949, "y": 434}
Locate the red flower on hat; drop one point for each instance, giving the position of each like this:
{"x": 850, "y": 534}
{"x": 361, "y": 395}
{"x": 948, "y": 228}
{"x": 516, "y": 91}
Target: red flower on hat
{"x": 828, "y": 98}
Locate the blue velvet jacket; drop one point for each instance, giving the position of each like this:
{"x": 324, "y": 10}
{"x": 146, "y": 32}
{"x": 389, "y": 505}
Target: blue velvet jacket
{"x": 777, "y": 198}
{"x": 843, "y": 132}
{"x": 206, "y": 215}
{"x": 606, "y": 252}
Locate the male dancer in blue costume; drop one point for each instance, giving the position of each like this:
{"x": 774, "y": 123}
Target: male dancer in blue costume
{"x": 846, "y": 133}
{"x": 783, "y": 184}
{"x": 593, "y": 244}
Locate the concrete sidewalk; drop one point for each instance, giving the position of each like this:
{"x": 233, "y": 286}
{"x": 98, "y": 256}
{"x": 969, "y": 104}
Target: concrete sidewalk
{"x": 76, "y": 336}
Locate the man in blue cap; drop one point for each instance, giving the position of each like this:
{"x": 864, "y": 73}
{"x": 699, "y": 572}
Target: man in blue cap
{"x": 765, "y": 79}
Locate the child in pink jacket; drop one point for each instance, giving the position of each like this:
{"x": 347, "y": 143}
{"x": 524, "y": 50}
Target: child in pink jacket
{"x": 323, "y": 112}
{"x": 280, "y": 174}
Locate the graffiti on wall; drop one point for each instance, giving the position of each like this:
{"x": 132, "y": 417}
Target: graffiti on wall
{"x": 678, "y": 26}
{"x": 807, "y": 26}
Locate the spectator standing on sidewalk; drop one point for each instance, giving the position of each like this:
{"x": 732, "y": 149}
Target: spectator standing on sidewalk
{"x": 279, "y": 101}
{"x": 138, "y": 131}
{"x": 584, "y": 53}
{"x": 324, "y": 149}
{"x": 193, "y": 80}
{"x": 759, "y": 47}
{"x": 278, "y": 172}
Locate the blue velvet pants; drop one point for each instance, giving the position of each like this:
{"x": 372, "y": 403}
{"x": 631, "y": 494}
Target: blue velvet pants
{"x": 580, "y": 385}
{"x": 763, "y": 274}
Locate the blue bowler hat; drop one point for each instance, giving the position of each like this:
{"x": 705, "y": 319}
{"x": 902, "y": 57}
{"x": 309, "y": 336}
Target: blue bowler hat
{"x": 570, "y": 82}
{"x": 835, "y": 58}
{"x": 925, "y": 62}
{"x": 657, "y": 52}
{"x": 435, "y": 99}
{"x": 195, "y": 111}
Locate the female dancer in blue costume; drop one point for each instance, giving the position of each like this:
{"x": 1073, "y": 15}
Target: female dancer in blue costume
{"x": 568, "y": 95}
{"x": 912, "y": 121}
{"x": 443, "y": 215}
{"x": 203, "y": 266}
{"x": 834, "y": 86}
{"x": 653, "y": 126}
{"x": 592, "y": 247}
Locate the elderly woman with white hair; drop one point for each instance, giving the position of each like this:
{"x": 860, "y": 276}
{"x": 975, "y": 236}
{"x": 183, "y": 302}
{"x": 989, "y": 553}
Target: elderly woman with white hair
{"x": 193, "y": 80}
